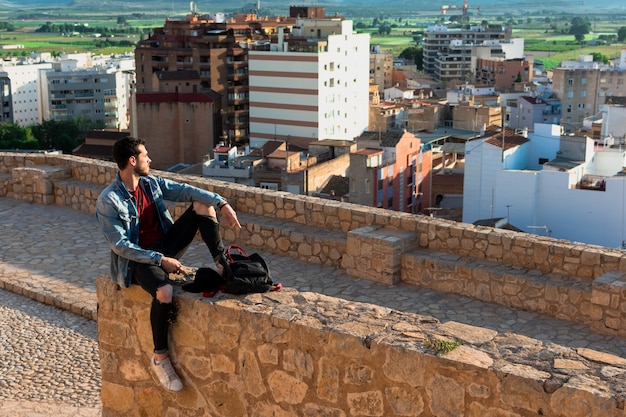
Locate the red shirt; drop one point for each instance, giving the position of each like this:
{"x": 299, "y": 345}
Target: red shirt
{"x": 149, "y": 228}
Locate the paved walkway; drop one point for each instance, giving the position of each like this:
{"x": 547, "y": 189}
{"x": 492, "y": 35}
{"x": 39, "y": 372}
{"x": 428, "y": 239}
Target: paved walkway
{"x": 48, "y": 356}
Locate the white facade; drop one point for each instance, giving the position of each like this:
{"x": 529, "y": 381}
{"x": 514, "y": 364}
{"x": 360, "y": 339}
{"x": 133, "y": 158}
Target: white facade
{"x": 613, "y": 121}
{"x": 318, "y": 91}
{"x": 26, "y": 81}
{"x": 583, "y": 62}
{"x": 622, "y": 60}
{"x": 394, "y": 93}
{"x": 545, "y": 199}
{"x": 464, "y": 93}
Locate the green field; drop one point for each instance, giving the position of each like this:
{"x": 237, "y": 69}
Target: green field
{"x": 544, "y": 37}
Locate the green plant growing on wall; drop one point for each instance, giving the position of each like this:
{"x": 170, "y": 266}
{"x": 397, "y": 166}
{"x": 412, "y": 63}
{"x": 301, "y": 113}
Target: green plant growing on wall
{"x": 441, "y": 347}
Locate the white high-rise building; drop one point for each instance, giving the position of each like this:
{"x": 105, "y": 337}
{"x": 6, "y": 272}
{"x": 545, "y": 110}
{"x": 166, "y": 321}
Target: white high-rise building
{"x": 311, "y": 84}
{"x": 26, "y": 81}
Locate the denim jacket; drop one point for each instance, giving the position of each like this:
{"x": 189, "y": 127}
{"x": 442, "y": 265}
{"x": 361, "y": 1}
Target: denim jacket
{"x": 116, "y": 211}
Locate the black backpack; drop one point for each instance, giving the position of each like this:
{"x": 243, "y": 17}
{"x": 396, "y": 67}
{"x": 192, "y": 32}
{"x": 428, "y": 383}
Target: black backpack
{"x": 245, "y": 273}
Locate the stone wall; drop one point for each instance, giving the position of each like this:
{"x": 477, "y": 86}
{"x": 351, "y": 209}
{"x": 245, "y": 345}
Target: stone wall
{"x": 579, "y": 283}
{"x": 543, "y": 254}
{"x": 288, "y": 354}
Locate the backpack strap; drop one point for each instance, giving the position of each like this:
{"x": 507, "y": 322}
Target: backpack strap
{"x": 239, "y": 249}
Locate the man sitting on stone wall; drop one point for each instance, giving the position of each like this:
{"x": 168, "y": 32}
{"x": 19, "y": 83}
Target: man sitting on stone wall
{"x": 146, "y": 243}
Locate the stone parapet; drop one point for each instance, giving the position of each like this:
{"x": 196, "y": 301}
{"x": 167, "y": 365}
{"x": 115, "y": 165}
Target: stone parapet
{"x": 36, "y": 183}
{"x": 544, "y": 254}
{"x": 526, "y": 271}
{"x": 566, "y": 298}
{"x": 289, "y": 354}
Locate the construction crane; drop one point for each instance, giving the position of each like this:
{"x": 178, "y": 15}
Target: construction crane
{"x": 465, "y": 7}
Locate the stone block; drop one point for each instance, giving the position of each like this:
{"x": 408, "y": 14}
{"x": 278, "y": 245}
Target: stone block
{"x": 377, "y": 252}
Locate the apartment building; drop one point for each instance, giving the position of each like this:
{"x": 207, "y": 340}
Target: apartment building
{"x": 381, "y": 68}
{"x": 503, "y": 74}
{"x": 6, "y": 115}
{"x": 476, "y": 117}
{"x": 584, "y": 88}
{"x": 387, "y": 171}
{"x": 448, "y": 52}
{"x": 99, "y": 94}
{"x": 310, "y": 82}
{"x": 217, "y": 50}
{"x": 526, "y": 111}
{"x": 26, "y": 83}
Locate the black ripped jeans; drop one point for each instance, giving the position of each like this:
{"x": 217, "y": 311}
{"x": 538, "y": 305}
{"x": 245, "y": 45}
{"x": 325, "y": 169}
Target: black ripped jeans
{"x": 174, "y": 245}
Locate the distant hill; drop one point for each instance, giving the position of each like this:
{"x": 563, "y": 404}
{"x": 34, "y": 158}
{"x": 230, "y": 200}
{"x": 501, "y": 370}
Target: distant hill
{"x": 345, "y": 7}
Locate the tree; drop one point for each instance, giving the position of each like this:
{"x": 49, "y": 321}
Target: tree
{"x": 621, "y": 34}
{"x": 414, "y": 53}
{"x": 12, "y": 136}
{"x": 579, "y": 27}
{"x": 121, "y": 20}
{"x": 384, "y": 29}
{"x": 64, "y": 135}
{"x": 598, "y": 57}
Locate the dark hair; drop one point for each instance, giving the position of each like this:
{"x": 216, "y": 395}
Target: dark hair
{"x": 124, "y": 148}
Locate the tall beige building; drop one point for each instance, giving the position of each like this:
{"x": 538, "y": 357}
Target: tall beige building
{"x": 583, "y": 90}
{"x": 381, "y": 68}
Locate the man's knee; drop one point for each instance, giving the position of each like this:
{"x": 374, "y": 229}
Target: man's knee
{"x": 164, "y": 293}
{"x": 204, "y": 209}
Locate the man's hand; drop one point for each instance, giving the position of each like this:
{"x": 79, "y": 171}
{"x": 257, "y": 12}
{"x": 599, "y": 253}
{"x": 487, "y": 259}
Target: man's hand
{"x": 230, "y": 216}
{"x": 172, "y": 266}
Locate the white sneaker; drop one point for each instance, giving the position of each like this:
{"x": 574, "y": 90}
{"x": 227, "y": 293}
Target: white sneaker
{"x": 167, "y": 375}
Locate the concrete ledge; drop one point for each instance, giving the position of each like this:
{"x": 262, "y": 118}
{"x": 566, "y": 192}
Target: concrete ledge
{"x": 289, "y": 353}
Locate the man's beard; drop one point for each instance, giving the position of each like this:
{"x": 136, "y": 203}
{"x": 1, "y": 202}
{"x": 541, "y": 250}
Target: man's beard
{"x": 142, "y": 171}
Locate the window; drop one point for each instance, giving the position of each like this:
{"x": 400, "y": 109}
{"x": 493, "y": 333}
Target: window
{"x": 570, "y": 81}
{"x": 269, "y": 186}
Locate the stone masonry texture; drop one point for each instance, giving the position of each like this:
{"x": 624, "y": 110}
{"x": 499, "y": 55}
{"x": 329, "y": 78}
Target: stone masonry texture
{"x": 294, "y": 353}
{"x": 300, "y": 349}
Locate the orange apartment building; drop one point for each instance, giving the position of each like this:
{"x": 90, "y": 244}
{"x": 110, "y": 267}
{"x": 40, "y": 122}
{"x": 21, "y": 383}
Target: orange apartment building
{"x": 503, "y": 74}
{"x": 192, "y": 85}
{"x": 390, "y": 171}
